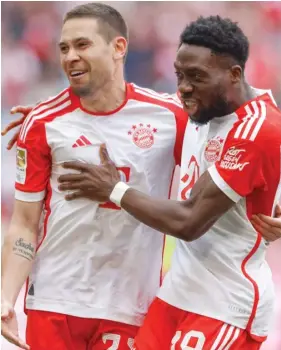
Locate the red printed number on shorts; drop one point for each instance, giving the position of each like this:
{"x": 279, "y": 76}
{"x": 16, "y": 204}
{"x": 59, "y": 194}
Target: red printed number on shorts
{"x": 190, "y": 177}
{"x": 125, "y": 176}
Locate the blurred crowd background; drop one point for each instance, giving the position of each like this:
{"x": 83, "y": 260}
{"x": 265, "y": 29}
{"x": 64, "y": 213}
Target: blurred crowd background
{"x": 31, "y": 71}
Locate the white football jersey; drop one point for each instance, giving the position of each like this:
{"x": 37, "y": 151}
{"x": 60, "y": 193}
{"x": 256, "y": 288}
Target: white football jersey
{"x": 224, "y": 274}
{"x": 97, "y": 261}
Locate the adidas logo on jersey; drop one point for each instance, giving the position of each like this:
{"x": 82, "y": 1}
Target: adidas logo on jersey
{"x": 81, "y": 141}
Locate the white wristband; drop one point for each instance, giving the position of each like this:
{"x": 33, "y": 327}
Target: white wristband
{"x": 118, "y": 192}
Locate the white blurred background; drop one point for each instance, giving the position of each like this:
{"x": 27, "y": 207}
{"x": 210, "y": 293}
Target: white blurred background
{"x": 31, "y": 72}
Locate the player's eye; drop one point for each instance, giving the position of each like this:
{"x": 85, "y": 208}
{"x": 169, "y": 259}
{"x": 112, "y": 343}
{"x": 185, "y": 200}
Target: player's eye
{"x": 198, "y": 77}
{"x": 82, "y": 45}
{"x": 63, "y": 49}
{"x": 179, "y": 75}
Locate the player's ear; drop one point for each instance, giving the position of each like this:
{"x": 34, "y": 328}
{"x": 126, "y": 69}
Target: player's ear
{"x": 236, "y": 73}
{"x": 120, "y": 47}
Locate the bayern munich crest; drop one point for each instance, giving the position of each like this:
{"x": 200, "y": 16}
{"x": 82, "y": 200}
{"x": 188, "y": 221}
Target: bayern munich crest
{"x": 143, "y": 135}
{"x": 213, "y": 149}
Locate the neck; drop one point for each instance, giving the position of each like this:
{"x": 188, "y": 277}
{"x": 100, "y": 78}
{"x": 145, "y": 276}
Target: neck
{"x": 108, "y": 98}
{"x": 243, "y": 94}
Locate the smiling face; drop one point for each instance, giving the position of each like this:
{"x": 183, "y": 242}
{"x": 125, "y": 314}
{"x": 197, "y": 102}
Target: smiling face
{"x": 86, "y": 57}
{"x": 205, "y": 82}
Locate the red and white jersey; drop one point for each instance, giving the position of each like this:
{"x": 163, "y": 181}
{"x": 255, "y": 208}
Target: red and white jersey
{"x": 94, "y": 260}
{"x": 224, "y": 274}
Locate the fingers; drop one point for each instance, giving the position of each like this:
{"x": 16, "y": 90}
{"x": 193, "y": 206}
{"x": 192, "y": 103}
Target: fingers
{"x": 22, "y": 344}
{"x": 71, "y": 177}
{"x": 274, "y": 222}
{"x": 67, "y": 186}
{"x": 75, "y": 195}
{"x": 18, "y": 109}
{"x": 12, "y": 337}
{"x": 12, "y": 125}
{"x": 13, "y": 141}
{"x": 268, "y": 236}
{"x": 268, "y": 231}
{"x": 277, "y": 213}
{"x": 257, "y": 221}
{"x": 75, "y": 165}
{"x": 9, "y": 325}
{"x": 21, "y": 109}
{"x": 104, "y": 156}
{"x": 16, "y": 341}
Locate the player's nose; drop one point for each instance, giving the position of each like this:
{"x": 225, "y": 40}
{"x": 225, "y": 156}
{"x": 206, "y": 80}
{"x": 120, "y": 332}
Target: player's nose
{"x": 71, "y": 56}
{"x": 185, "y": 87}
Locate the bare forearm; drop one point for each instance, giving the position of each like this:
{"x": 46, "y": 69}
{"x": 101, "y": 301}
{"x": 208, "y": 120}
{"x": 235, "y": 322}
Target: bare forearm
{"x": 17, "y": 258}
{"x": 187, "y": 220}
{"x": 166, "y": 216}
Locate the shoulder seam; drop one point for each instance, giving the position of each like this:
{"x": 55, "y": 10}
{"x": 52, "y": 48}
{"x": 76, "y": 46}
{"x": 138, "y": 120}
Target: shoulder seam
{"x": 165, "y": 97}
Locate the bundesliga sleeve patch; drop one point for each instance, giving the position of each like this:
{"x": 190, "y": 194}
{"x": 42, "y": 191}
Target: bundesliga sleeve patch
{"x": 21, "y": 165}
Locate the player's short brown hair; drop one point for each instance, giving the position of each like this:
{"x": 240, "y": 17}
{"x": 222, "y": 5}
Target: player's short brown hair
{"x": 111, "y": 23}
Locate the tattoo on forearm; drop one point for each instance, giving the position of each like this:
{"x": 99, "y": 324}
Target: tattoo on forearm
{"x": 24, "y": 249}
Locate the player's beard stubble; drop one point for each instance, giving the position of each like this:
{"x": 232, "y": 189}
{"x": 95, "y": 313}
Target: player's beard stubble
{"x": 92, "y": 87}
{"x": 219, "y": 107}
{"x": 84, "y": 91}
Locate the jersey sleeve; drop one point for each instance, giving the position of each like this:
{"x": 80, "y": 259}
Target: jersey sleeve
{"x": 240, "y": 169}
{"x": 33, "y": 163}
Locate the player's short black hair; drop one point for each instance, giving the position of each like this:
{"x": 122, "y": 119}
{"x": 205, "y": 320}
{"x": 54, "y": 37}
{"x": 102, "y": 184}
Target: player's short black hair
{"x": 221, "y": 35}
{"x": 110, "y": 21}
